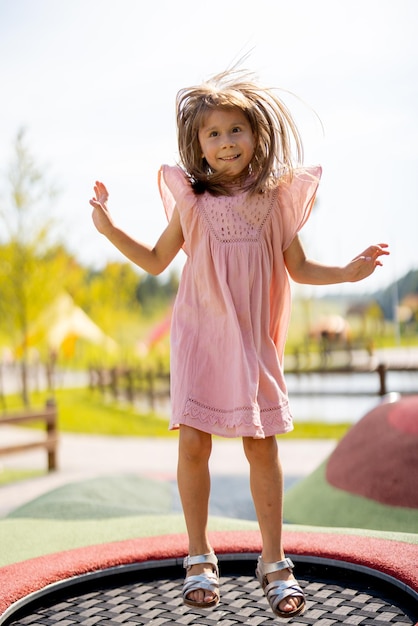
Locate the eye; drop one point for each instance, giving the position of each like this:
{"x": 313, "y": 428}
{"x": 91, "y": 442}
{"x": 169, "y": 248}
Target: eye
{"x": 236, "y": 129}
{"x": 213, "y": 133}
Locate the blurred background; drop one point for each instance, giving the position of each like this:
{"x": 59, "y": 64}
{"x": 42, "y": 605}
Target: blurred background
{"x": 88, "y": 92}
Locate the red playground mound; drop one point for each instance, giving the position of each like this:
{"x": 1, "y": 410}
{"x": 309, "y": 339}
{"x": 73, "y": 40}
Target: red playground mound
{"x": 377, "y": 459}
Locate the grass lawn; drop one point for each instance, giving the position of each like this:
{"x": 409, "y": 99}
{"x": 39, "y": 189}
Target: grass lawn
{"x": 8, "y": 475}
{"x": 87, "y": 412}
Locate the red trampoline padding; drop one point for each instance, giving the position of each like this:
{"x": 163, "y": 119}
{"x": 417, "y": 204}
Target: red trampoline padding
{"x": 395, "y": 558}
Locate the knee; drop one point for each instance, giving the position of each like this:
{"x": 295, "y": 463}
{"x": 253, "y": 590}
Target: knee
{"x": 195, "y": 446}
{"x": 260, "y": 450}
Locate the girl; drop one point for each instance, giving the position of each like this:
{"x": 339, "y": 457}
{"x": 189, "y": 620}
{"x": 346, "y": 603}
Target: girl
{"x": 235, "y": 204}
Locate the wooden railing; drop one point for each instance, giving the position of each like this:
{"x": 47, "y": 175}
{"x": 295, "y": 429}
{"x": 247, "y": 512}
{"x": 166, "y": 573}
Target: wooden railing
{"x": 132, "y": 384}
{"x": 49, "y": 416}
{"x": 381, "y": 370}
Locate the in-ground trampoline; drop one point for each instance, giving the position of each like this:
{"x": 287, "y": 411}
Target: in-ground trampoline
{"x": 149, "y": 592}
{"x": 348, "y": 577}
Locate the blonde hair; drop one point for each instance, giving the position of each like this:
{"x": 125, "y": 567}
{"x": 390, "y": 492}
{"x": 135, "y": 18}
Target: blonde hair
{"x": 275, "y": 132}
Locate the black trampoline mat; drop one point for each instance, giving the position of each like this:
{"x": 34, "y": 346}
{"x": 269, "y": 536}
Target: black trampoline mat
{"x": 150, "y": 593}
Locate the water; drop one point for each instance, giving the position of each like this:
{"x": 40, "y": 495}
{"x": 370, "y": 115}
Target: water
{"x": 336, "y": 398}
{"x": 331, "y": 409}
{"x": 331, "y": 398}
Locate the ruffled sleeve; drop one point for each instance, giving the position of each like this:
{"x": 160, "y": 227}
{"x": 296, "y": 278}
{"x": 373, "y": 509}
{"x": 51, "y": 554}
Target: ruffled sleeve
{"x": 296, "y": 198}
{"x": 176, "y": 191}
{"x": 174, "y": 188}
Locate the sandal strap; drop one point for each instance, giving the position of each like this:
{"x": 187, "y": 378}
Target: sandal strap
{"x": 208, "y": 582}
{"x": 269, "y": 568}
{"x": 277, "y": 591}
{"x": 201, "y": 558}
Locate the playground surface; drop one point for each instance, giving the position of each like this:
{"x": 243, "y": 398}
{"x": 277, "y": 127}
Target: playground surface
{"x": 101, "y": 541}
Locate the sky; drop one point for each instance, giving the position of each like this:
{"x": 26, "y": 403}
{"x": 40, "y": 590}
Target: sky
{"x": 94, "y": 82}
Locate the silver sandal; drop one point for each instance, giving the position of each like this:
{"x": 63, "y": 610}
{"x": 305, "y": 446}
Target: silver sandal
{"x": 279, "y": 590}
{"x": 206, "y": 582}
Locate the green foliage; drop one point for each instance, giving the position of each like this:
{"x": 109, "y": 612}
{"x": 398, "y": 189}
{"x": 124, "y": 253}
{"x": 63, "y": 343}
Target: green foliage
{"x": 9, "y": 475}
{"x": 153, "y": 294}
{"x": 88, "y": 412}
{"x": 318, "y": 430}
{"x": 25, "y": 281}
{"x": 113, "y": 288}
{"x": 34, "y": 272}
{"x": 398, "y": 290}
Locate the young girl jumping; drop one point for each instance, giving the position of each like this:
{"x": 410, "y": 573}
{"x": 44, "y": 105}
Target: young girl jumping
{"x": 235, "y": 205}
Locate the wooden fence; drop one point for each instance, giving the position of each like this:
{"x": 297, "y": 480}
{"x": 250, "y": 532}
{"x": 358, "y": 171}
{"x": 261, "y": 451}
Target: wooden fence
{"x": 49, "y": 416}
{"x": 131, "y": 384}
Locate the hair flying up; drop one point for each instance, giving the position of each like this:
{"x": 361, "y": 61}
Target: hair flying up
{"x": 278, "y": 145}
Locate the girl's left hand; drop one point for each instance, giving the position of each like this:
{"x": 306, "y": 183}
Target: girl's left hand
{"x": 365, "y": 263}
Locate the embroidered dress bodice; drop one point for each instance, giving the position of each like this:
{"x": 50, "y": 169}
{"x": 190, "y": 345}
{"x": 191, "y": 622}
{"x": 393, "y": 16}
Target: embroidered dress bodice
{"x": 231, "y": 313}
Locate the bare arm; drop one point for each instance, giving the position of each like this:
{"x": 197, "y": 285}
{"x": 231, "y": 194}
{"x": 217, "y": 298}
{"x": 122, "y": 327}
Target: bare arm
{"x": 303, "y": 270}
{"x": 154, "y": 259}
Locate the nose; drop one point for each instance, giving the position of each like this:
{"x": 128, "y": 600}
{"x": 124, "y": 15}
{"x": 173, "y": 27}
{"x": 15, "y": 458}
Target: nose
{"x": 228, "y": 140}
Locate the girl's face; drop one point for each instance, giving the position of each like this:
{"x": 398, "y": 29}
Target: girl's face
{"x": 227, "y": 141}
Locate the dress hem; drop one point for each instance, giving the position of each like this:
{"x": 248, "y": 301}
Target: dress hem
{"x": 246, "y": 421}
{"x": 234, "y": 435}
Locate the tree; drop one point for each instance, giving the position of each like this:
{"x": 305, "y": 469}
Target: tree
{"x": 154, "y": 293}
{"x": 26, "y": 282}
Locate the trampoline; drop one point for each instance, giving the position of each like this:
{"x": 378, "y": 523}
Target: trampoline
{"x": 149, "y": 592}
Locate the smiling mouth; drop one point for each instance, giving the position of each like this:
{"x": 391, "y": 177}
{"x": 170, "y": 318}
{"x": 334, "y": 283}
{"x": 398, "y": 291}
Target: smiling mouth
{"x": 231, "y": 158}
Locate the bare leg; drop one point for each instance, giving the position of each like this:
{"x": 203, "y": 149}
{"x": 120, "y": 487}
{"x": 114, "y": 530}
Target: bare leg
{"x": 193, "y": 481}
{"x": 266, "y": 482}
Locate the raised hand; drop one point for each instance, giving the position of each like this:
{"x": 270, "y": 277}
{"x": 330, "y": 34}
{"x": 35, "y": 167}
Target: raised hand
{"x": 365, "y": 263}
{"x": 101, "y": 215}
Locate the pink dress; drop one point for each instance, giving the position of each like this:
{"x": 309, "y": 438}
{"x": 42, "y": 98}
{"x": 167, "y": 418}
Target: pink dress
{"x": 231, "y": 313}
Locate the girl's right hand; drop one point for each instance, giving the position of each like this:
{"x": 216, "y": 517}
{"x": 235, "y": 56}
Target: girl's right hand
{"x": 101, "y": 216}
